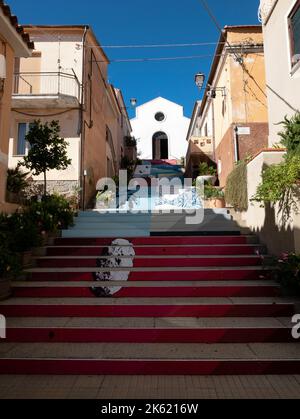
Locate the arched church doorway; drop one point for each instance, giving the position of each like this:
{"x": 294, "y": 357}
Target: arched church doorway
{"x": 160, "y": 146}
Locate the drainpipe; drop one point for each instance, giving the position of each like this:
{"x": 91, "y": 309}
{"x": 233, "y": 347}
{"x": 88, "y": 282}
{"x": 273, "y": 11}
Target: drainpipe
{"x": 236, "y": 144}
{"x": 214, "y": 130}
{"x": 81, "y": 128}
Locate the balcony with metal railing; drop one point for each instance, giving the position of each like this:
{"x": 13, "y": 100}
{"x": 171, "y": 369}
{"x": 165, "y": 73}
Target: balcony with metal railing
{"x": 46, "y": 90}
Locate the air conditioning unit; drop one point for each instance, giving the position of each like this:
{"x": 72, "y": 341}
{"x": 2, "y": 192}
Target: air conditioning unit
{"x": 2, "y": 67}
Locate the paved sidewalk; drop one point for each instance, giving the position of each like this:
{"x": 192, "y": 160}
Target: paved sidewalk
{"x": 149, "y": 387}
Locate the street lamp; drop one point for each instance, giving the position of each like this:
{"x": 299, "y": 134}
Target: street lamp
{"x": 133, "y": 102}
{"x": 199, "y": 80}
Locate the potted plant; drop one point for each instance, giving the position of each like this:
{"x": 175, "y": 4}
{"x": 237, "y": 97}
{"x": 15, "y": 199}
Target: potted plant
{"x": 104, "y": 199}
{"x": 16, "y": 183}
{"x": 25, "y": 236}
{"x": 207, "y": 173}
{"x": 9, "y": 266}
{"x": 287, "y": 273}
{"x": 214, "y": 197}
{"x": 51, "y": 214}
{"x": 130, "y": 142}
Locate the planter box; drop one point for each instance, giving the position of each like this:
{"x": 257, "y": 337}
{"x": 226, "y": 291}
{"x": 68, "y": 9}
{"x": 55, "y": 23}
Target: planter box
{"x": 5, "y": 288}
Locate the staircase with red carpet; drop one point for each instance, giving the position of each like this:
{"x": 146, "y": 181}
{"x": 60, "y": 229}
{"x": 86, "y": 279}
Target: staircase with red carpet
{"x": 191, "y": 305}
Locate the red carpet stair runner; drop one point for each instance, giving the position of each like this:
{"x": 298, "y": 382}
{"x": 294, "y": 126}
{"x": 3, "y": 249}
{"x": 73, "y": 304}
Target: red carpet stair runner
{"x": 190, "y": 305}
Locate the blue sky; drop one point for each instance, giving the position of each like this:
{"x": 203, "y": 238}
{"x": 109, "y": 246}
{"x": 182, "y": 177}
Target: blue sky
{"x": 127, "y": 22}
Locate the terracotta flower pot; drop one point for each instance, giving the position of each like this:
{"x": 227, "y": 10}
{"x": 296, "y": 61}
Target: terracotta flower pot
{"x": 219, "y": 203}
{"x": 215, "y": 203}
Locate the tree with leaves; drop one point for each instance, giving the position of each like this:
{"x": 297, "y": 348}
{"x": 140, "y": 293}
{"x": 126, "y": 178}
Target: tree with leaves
{"x": 48, "y": 151}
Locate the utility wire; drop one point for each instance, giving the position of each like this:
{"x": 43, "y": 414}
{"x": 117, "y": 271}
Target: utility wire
{"x": 143, "y": 59}
{"x": 215, "y": 21}
{"x": 198, "y": 44}
{"x": 187, "y": 57}
{"x": 239, "y": 59}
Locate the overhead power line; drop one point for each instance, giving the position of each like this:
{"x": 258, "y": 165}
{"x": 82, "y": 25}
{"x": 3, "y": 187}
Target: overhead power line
{"x": 186, "y": 57}
{"x": 195, "y": 44}
{"x": 218, "y": 26}
{"x": 143, "y": 59}
{"x": 239, "y": 58}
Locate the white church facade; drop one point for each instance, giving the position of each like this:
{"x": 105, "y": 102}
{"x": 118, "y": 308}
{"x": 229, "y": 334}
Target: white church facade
{"x": 160, "y": 128}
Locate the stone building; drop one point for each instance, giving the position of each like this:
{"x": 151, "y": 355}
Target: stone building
{"x": 234, "y": 113}
{"x": 160, "y": 128}
{"x": 14, "y": 42}
{"x": 66, "y": 80}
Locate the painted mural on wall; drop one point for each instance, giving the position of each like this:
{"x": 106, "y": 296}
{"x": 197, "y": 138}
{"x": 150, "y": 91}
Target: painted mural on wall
{"x": 119, "y": 255}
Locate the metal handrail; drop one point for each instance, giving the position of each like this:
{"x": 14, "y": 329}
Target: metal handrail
{"x": 25, "y": 81}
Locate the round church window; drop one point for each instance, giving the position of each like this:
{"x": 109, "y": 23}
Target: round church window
{"x": 160, "y": 117}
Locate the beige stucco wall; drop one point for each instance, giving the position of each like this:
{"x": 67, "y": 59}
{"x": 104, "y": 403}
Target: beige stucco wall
{"x": 88, "y": 149}
{"x": 248, "y": 89}
{"x": 96, "y": 117}
{"x": 283, "y": 86}
{"x": 5, "y": 106}
{"x": 266, "y": 221}
{"x": 69, "y": 124}
{"x": 57, "y": 44}
{"x": 222, "y": 104}
{"x": 51, "y": 45}
{"x": 245, "y": 100}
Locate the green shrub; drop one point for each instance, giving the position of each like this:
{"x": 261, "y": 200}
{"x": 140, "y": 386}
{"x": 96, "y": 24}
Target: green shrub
{"x": 130, "y": 142}
{"x": 52, "y": 213}
{"x": 20, "y": 231}
{"x": 206, "y": 170}
{"x": 279, "y": 181}
{"x": 212, "y": 192}
{"x": 287, "y": 272}
{"x": 24, "y": 232}
{"x": 290, "y": 137}
{"x": 9, "y": 259}
{"x": 236, "y": 193}
{"x": 16, "y": 180}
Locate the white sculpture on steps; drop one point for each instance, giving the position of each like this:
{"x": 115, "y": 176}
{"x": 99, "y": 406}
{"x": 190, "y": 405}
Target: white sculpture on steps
{"x": 119, "y": 255}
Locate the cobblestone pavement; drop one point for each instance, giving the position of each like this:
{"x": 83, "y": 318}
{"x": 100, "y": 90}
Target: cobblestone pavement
{"x": 150, "y": 387}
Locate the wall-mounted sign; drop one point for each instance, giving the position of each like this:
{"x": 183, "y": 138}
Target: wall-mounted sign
{"x": 244, "y": 131}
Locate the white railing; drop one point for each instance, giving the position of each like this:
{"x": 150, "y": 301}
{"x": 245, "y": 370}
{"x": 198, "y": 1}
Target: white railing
{"x": 47, "y": 83}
